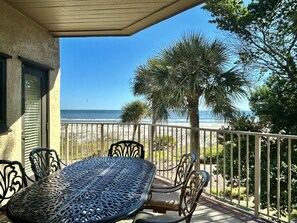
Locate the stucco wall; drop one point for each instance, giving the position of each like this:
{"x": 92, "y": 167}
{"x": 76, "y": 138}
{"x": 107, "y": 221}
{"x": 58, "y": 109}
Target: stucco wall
{"x": 19, "y": 36}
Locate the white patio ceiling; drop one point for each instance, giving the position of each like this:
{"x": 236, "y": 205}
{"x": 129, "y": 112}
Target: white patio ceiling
{"x": 66, "y": 18}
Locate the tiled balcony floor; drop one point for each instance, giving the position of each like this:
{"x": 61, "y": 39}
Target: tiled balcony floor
{"x": 206, "y": 211}
{"x": 211, "y": 211}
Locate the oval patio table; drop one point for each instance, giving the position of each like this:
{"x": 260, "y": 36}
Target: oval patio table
{"x": 93, "y": 190}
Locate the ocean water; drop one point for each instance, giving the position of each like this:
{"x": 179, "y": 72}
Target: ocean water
{"x": 113, "y": 116}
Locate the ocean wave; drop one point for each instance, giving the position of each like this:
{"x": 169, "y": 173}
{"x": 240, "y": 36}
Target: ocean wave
{"x": 90, "y": 120}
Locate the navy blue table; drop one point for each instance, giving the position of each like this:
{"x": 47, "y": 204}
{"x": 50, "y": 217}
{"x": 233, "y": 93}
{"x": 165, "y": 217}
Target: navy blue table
{"x": 93, "y": 190}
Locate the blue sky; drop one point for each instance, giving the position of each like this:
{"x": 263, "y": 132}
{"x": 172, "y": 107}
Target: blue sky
{"x": 96, "y": 72}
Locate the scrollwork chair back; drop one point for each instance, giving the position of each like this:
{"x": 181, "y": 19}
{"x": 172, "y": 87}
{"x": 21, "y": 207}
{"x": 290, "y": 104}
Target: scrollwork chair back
{"x": 44, "y": 161}
{"x": 127, "y": 148}
{"x": 190, "y": 194}
{"x": 12, "y": 179}
{"x": 184, "y": 167}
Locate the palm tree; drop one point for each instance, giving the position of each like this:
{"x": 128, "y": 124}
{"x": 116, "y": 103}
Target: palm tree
{"x": 191, "y": 69}
{"x": 133, "y": 112}
{"x": 142, "y": 85}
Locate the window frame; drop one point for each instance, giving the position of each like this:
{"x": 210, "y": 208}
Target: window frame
{"x": 3, "y": 94}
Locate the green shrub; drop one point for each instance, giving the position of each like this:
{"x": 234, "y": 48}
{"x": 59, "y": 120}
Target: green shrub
{"x": 211, "y": 152}
{"x": 163, "y": 142}
{"x": 229, "y": 195}
{"x": 234, "y": 194}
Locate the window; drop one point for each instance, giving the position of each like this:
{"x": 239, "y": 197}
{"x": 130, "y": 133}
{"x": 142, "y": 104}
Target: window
{"x": 3, "y": 124}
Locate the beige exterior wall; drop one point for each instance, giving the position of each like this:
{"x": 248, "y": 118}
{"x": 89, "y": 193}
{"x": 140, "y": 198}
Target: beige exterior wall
{"x": 19, "y": 36}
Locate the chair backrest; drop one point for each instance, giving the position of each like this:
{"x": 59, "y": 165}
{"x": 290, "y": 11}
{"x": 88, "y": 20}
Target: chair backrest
{"x": 191, "y": 191}
{"x": 127, "y": 148}
{"x": 44, "y": 161}
{"x": 184, "y": 167}
{"x": 12, "y": 179}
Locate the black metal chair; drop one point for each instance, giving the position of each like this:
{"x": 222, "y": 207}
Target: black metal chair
{"x": 44, "y": 161}
{"x": 161, "y": 196}
{"x": 181, "y": 171}
{"x": 191, "y": 191}
{"x": 12, "y": 179}
{"x": 127, "y": 148}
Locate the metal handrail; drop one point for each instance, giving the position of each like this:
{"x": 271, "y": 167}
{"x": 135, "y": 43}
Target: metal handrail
{"x": 165, "y": 144}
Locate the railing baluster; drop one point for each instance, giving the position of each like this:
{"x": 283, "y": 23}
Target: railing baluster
{"x": 81, "y": 140}
{"x": 268, "y": 175}
{"x": 204, "y": 149}
{"x": 247, "y": 169}
{"x": 92, "y": 139}
{"x": 118, "y": 132}
{"x": 210, "y": 161}
{"x": 278, "y": 178}
{"x": 107, "y": 136}
{"x": 176, "y": 144}
{"x": 150, "y": 145}
{"x": 163, "y": 150}
{"x": 257, "y": 174}
{"x": 231, "y": 165}
{"x": 224, "y": 166}
{"x": 289, "y": 178}
{"x": 112, "y": 133}
{"x": 97, "y": 140}
{"x": 102, "y": 139}
{"x": 67, "y": 144}
{"x": 156, "y": 145}
{"x": 139, "y": 131}
{"x": 74, "y": 141}
{"x": 217, "y": 164}
{"x": 187, "y": 142}
{"x": 79, "y": 136}
{"x": 239, "y": 166}
{"x": 181, "y": 140}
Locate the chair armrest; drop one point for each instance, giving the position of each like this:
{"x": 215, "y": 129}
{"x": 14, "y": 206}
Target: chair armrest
{"x": 172, "y": 168}
{"x": 166, "y": 189}
{"x": 63, "y": 163}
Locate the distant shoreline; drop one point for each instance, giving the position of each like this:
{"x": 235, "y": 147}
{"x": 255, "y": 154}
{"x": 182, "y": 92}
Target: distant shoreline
{"x": 207, "y": 119}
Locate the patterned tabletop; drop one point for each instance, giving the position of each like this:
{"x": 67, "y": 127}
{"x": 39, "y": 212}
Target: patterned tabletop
{"x": 92, "y": 190}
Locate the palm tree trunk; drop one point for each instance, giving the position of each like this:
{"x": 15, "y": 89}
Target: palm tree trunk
{"x": 134, "y": 131}
{"x": 154, "y": 121}
{"x": 194, "y": 135}
{"x": 152, "y": 139}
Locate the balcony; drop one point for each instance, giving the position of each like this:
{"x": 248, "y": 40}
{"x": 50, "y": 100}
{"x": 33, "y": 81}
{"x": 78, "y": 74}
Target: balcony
{"x": 247, "y": 168}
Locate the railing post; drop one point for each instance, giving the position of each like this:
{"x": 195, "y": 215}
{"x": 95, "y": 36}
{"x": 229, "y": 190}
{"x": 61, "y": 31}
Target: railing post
{"x": 139, "y": 133}
{"x": 67, "y": 143}
{"x": 257, "y": 174}
{"x": 289, "y": 179}
{"x": 151, "y": 136}
{"x": 102, "y": 139}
